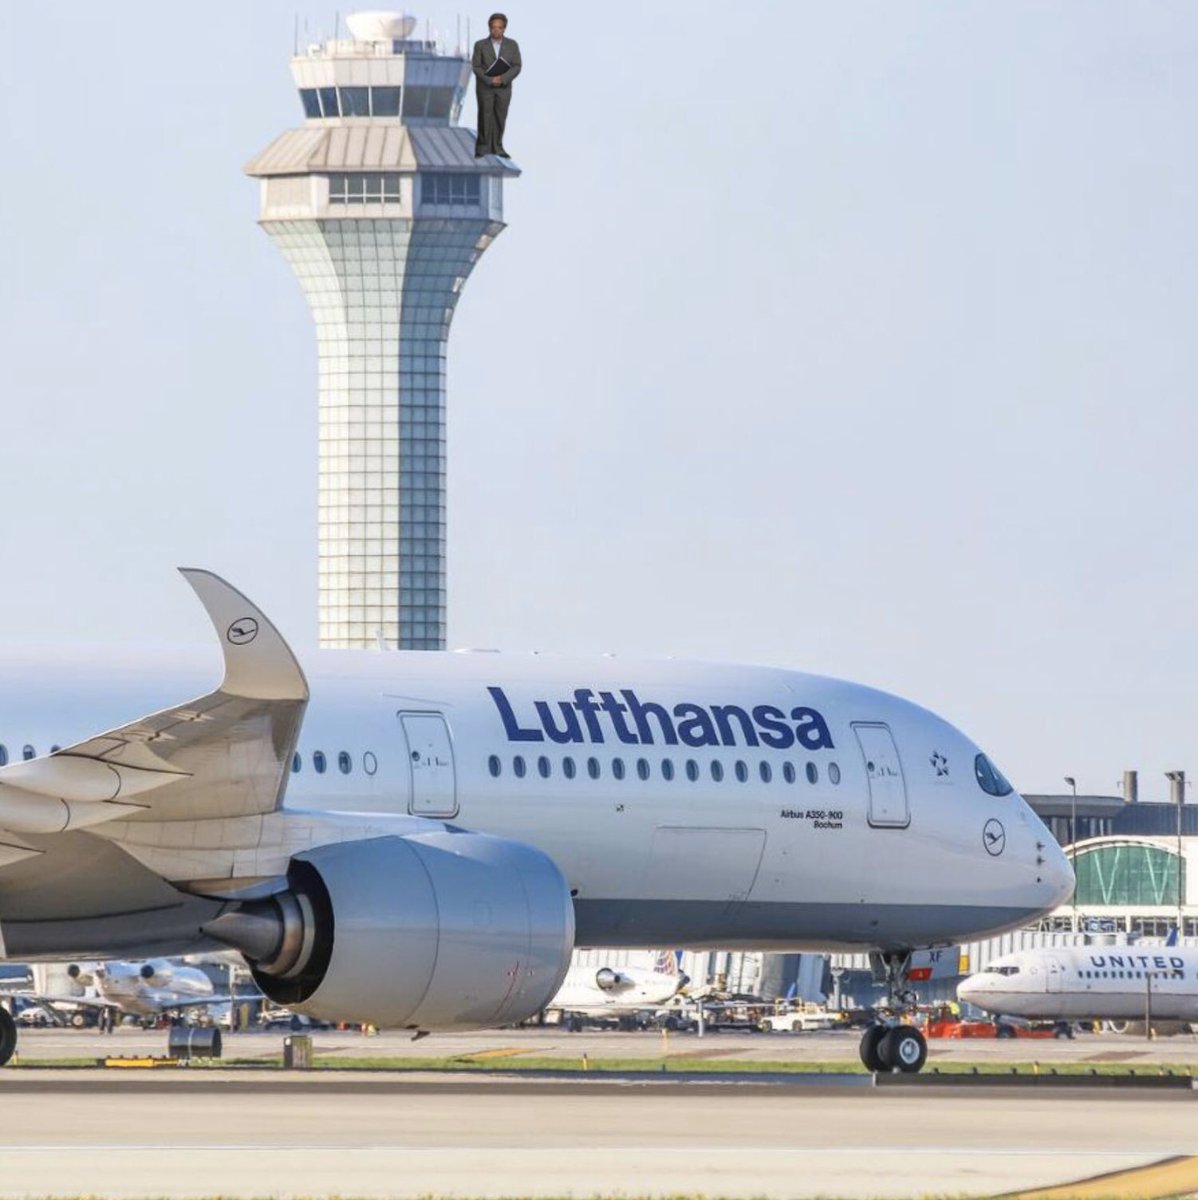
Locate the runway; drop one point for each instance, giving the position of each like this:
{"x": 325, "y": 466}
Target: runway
{"x": 252, "y": 1133}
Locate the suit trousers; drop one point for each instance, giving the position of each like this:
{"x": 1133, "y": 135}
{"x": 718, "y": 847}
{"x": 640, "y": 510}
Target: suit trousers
{"x": 493, "y": 103}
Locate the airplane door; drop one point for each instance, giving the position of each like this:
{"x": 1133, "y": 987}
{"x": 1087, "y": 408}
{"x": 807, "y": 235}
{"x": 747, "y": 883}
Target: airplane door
{"x": 1055, "y": 981}
{"x": 430, "y": 760}
{"x": 884, "y": 776}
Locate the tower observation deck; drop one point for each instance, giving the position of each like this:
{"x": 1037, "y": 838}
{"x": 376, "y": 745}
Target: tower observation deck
{"x": 382, "y": 210}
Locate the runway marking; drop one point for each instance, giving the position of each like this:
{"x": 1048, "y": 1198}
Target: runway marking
{"x": 1169, "y": 1177}
{"x": 690, "y": 1151}
{"x": 498, "y": 1052}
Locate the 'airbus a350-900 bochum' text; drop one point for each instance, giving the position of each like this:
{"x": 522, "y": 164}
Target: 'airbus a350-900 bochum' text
{"x": 419, "y": 840}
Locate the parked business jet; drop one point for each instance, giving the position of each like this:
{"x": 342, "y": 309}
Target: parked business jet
{"x": 420, "y": 840}
{"x": 140, "y": 989}
{"x": 613, "y": 992}
{"x": 1081, "y": 983}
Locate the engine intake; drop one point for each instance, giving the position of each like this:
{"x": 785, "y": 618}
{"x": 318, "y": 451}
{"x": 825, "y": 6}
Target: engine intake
{"x": 439, "y": 930}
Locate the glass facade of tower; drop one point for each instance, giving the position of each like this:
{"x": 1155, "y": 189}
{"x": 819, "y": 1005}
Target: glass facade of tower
{"x": 382, "y": 218}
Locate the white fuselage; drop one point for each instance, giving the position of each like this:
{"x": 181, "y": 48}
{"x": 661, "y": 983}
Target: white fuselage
{"x": 686, "y": 804}
{"x": 124, "y": 985}
{"x": 1089, "y": 982}
{"x": 614, "y": 991}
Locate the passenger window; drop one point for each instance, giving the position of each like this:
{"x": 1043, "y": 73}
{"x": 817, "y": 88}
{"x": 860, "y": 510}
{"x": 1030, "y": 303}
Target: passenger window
{"x": 568, "y": 767}
{"x": 518, "y": 766}
{"x": 28, "y": 752}
{"x": 667, "y": 768}
{"x": 617, "y": 767}
{"x": 788, "y": 772}
{"x": 812, "y": 773}
{"x": 494, "y": 766}
{"x": 692, "y": 770}
{"x": 717, "y": 770}
{"x": 296, "y": 763}
{"x": 742, "y": 772}
{"x": 642, "y": 768}
{"x": 593, "y": 768}
{"x": 833, "y": 774}
{"x": 370, "y": 764}
{"x": 543, "y": 767}
{"x": 318, "y": 761}
{"x": 3, "y": 756}
{"x": 55, "y": 749}
{"x": 345, "y": 764}
{"x": 766, "y": 772}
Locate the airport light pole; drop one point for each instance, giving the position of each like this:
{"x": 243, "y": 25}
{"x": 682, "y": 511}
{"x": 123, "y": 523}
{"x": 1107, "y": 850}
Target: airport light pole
{"x": 1178, "y": 780}
{"x": 1073, "y": 842}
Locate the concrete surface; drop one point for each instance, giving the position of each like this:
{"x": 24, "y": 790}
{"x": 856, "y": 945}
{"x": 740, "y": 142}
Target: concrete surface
{"x": 248, "y": 1133}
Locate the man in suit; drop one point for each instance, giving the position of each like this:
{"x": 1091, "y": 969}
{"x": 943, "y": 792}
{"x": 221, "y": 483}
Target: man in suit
{"x": 496, "y": 62}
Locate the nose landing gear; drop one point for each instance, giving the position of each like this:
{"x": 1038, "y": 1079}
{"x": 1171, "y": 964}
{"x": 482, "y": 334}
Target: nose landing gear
{"x": 890, "y": 1045}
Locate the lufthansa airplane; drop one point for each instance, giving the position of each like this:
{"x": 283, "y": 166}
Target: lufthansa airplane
{"x": 1080, "y": 983}
{"x": 420, "y": 839}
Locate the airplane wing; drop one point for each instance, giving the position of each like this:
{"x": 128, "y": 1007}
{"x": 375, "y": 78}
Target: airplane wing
{"x": 226, "y": 754}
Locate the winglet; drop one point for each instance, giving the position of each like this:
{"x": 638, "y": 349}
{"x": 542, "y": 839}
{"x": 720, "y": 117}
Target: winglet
{"x": 258, "y": 662}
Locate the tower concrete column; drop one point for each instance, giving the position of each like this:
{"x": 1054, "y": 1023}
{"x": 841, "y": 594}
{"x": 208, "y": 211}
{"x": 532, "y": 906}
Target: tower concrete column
{"x": 382, "y": 210}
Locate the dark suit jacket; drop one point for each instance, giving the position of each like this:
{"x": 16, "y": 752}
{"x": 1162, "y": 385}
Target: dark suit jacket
{"x": 484, "y": 57}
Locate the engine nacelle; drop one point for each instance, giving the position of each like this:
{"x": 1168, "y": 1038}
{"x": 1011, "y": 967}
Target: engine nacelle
{"x": 606, "y": 979}
{"x": 156, "y": 973}
{"x": 438, "y": 930}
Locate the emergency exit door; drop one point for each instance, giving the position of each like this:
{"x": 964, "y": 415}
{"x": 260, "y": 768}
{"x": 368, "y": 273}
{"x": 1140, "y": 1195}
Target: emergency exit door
{"x": 884, "y": 776}
{"x": 434, "y": 791}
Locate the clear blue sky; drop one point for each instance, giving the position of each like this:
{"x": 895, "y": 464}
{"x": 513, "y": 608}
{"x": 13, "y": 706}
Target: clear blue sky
{"x": 852, "y": 337}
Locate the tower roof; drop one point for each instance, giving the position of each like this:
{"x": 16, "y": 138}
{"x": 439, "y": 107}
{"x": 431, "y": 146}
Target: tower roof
{"x": 374, "y": 147}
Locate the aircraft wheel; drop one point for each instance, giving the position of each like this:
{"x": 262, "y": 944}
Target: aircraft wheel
{"x": 870, "y": 1041}
{"x": 78, "y": 1020}
{"x": 903, "y": 1048}
{"x": 765, "y": 1025}
{"x": 8, "y": 1036}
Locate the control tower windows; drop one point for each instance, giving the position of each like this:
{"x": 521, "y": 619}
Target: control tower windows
{"x": 311, "y": 102}
{"x": 328, "y": 102}
{"x": 355, "y": 101}
{"x": 420, "y": 101}
{"x": 375, "y": 187}
{"x": 440, "y": 102}
{"x": 384, "y": 101}
{"x": 455, "y": 190}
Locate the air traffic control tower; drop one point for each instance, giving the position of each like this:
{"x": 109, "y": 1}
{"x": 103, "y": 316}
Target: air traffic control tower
{"x": 382, "y": 210}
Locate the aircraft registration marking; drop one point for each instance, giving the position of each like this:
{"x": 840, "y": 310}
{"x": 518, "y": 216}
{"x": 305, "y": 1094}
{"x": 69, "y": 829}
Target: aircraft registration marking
{"x": 817, "y": 818}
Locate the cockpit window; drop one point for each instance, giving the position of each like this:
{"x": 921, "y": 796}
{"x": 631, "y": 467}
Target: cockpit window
{"x": 1001, "y": 971}
{"x": 990, "y": 779}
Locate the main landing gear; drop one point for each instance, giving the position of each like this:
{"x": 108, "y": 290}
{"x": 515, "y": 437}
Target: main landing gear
{"x": 8, "y": 1036}
{"x": 890, "y": 1045}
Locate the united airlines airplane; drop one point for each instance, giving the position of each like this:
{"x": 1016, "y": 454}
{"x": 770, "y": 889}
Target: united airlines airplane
{"x": 419, "y": 840}
{"x": 1080, "y": 983}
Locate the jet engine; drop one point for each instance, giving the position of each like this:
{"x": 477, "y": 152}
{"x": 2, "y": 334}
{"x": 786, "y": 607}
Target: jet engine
{"x": 440, "y": 930}
{"x": 157, "y": 973}
{"x": 607, "y": 980}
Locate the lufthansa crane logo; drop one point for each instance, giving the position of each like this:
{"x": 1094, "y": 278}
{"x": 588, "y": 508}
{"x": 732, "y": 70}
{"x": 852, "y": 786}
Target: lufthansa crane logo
{"x": 242, "y": 631}
{"x": 994, "y": 837}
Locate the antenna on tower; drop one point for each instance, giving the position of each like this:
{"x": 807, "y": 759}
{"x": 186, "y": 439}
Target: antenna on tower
{"x": 336, "y": 24}
{"x": 295, "y": 38}
{"x": 459, "y": 35}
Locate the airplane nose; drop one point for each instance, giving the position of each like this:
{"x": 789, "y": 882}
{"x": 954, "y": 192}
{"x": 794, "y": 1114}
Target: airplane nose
{"x": 967, "y": 989}
{"x": 1057, "y": 874}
